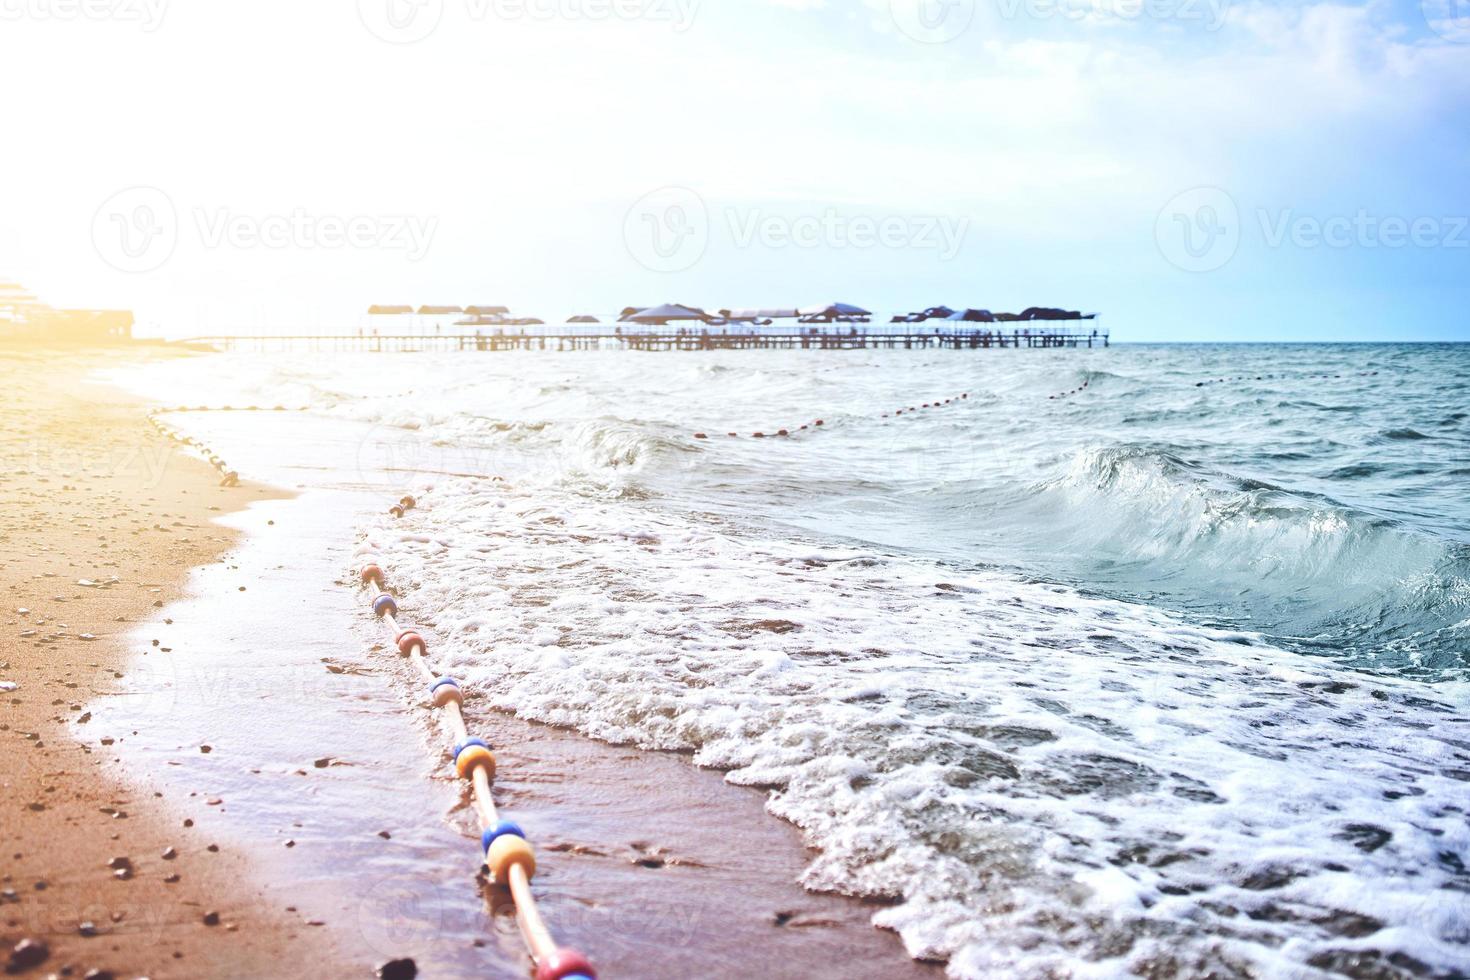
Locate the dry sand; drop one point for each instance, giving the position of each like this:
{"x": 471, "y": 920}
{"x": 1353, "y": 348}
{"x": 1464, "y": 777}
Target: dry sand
{"x": 101, "y": 522}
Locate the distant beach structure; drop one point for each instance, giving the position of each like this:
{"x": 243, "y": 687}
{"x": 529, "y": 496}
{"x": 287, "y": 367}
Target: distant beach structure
{"x": 25, "y": 318}
{"x": 686, "y": 327}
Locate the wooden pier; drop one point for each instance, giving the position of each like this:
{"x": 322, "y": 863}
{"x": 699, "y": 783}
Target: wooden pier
{"x": 670, "y": 339}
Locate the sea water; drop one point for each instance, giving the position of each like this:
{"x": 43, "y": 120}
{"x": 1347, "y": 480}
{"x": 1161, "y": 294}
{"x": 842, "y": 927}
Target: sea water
{"x": 1147, "y": 660}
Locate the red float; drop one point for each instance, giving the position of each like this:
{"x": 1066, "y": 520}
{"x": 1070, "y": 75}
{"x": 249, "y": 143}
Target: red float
{"x": 565, "y": 963}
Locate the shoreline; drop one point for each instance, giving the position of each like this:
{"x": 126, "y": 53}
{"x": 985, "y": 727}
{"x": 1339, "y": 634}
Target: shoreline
{"x": 639, "y": 865}
{"x": 105, "y": 521}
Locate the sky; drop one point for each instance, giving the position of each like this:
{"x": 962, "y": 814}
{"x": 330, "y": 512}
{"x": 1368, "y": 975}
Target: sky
{"x": 1193, "y": 170}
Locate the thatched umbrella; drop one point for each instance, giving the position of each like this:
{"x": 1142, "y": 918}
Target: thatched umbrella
{"x": 834, "y": 310}
{"x": 668, "y": 313}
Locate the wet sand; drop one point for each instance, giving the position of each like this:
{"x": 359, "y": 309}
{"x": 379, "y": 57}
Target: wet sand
{"x": 652, "y": 866}
{"x": 102, "y": 521}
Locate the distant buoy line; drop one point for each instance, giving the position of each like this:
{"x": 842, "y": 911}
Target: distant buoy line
{"x": 1285, "y": 377}
{"x": 821, "y": 423}
{"x": 1068, "y": 394}
{"x": 228, "y": 477}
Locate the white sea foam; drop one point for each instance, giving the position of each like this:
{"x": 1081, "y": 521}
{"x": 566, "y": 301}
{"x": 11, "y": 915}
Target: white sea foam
{"x": 1049, "y": 782}
{"x": 1045, "y": 781}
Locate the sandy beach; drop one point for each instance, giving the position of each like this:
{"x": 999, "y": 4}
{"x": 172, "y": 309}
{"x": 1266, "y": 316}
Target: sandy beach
{"x": 103, "y": 520}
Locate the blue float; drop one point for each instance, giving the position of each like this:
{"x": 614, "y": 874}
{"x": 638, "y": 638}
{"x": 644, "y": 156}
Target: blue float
{"x": 502, "y": 829}
{"x": 461, "y": 746}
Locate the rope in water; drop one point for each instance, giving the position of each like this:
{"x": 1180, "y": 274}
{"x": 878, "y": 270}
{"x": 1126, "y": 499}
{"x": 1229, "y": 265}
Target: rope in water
{"x": 821, "y": 423}
{"x": 228, "y": 477}
{"x": 1287, "y": 377}
{"x": 507, "y": 855}
{"x": 1068, "y": 394}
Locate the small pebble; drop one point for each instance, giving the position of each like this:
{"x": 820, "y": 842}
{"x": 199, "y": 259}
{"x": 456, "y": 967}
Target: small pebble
{"x": 26, "y": 954}
{"x": 404, "y": 969}
{"x": 211, "y": 918}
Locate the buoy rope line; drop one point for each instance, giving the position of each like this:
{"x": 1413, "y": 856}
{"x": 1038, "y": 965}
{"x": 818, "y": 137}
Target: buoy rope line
{"x": 228, "y": 477}
{"x": 228, "y": 408}
{"x": 821, "y": 423}
{"x": 1286, "y": 377}
{"x": 507, "y": 855}
{"x": 1068, "y": 394}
